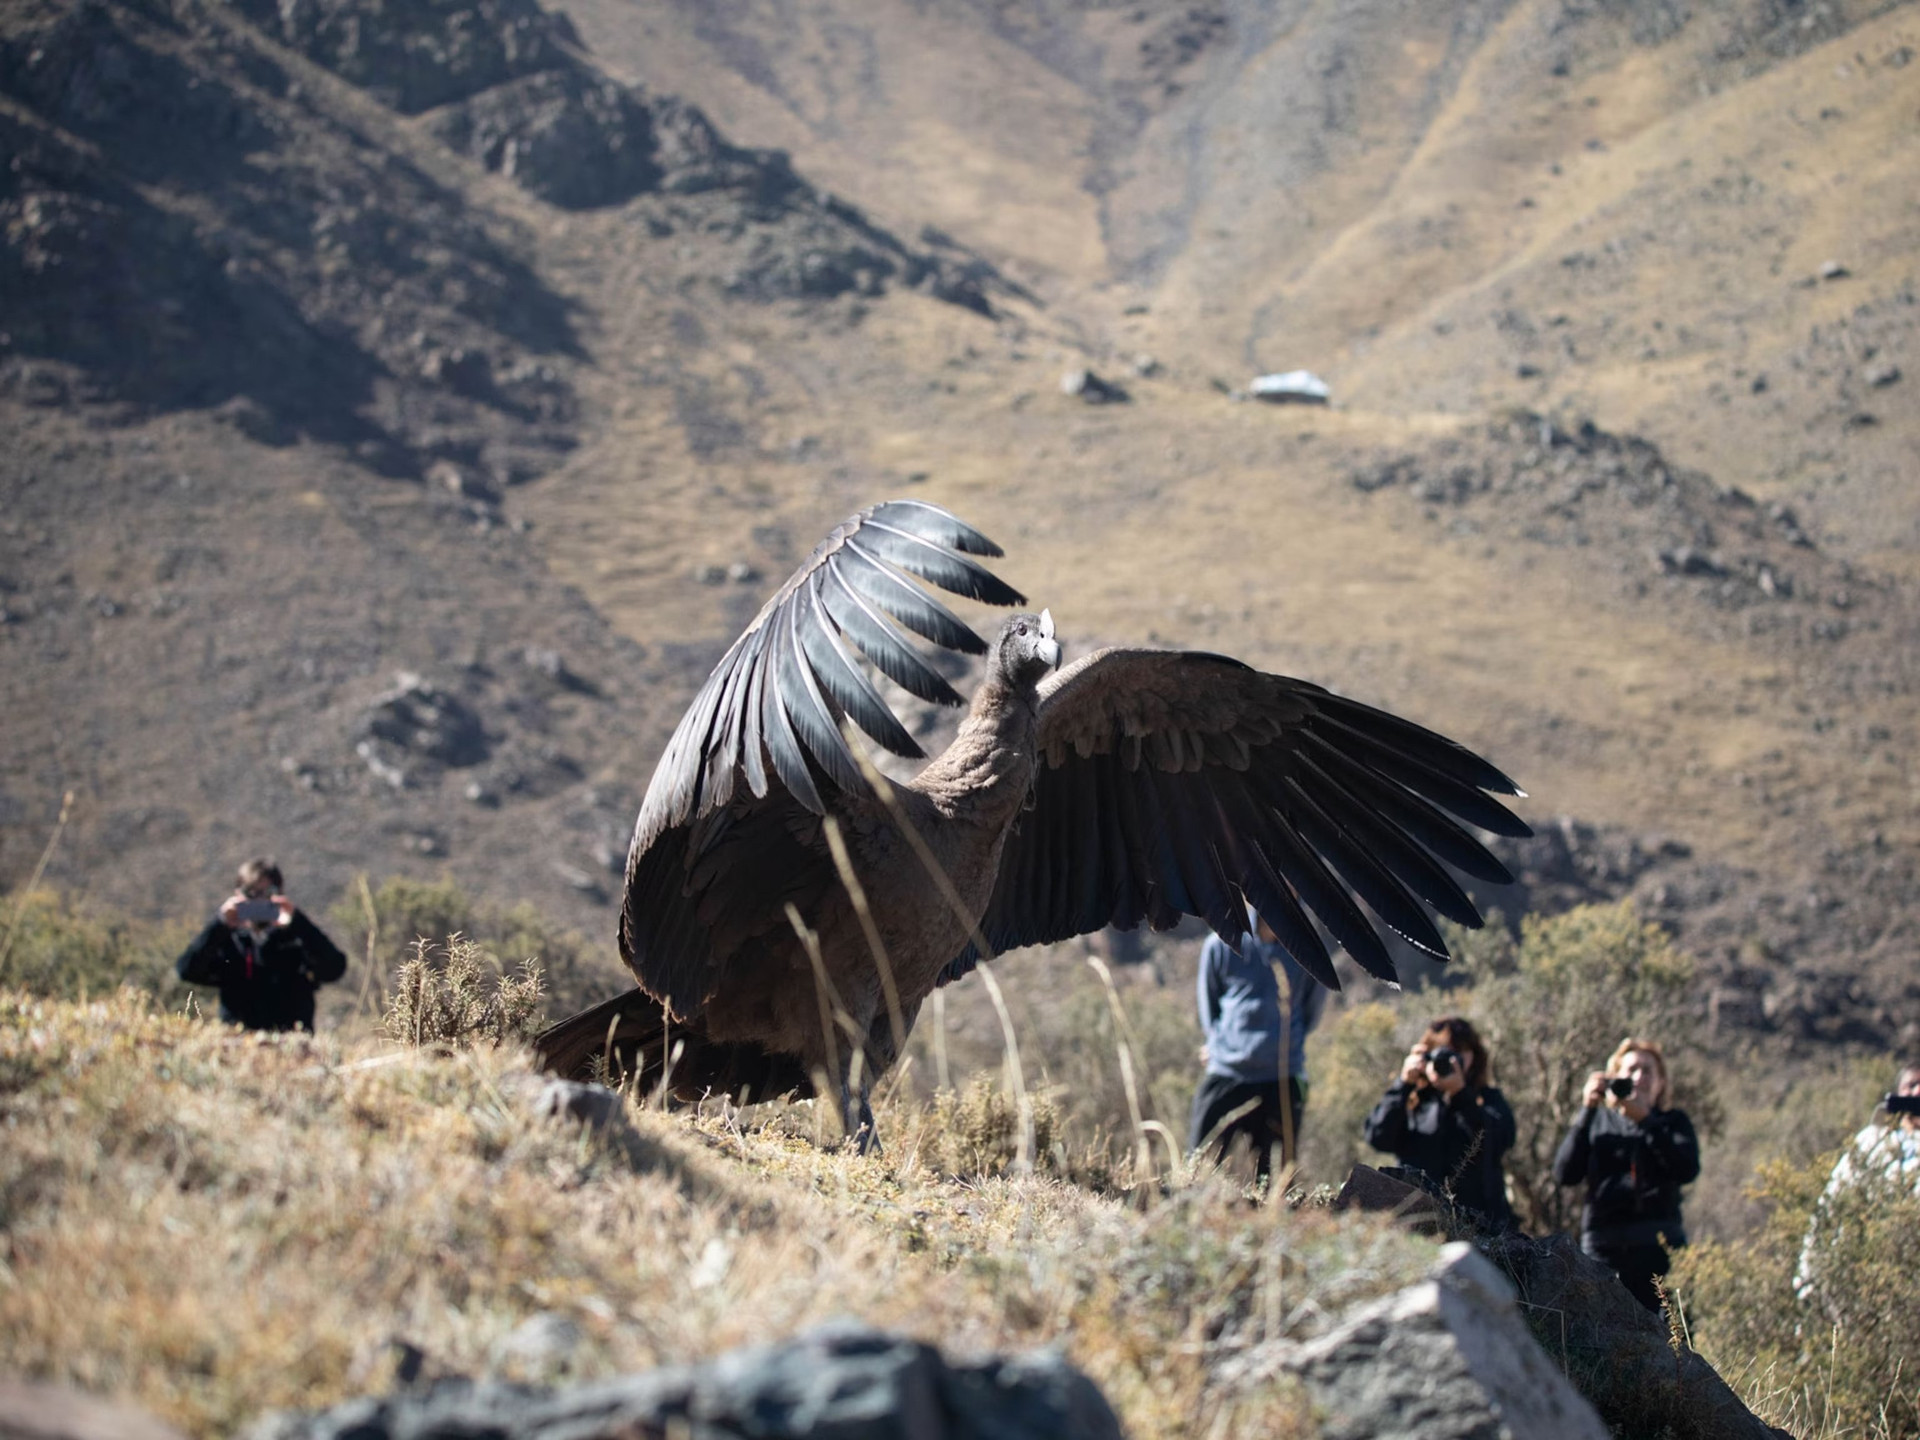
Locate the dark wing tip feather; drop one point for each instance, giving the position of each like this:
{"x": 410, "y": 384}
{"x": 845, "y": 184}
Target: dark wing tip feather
{"x": 1338, "y": 822}
{"x": 913, "y": 607}
{"x": 1430, "y": 748}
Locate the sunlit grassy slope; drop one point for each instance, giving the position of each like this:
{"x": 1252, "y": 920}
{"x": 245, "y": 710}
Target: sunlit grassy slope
{"x": 214, "y": 1224}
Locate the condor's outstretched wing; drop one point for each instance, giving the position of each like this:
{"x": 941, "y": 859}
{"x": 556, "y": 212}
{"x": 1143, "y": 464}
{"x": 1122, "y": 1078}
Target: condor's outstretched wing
{"x": 1175, "y": 783}
{"x": 713, "y": 861}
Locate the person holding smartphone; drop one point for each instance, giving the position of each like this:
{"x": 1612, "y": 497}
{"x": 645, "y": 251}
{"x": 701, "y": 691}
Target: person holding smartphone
{"x": 264, "y": 954}
{"x": 1884, "y": 1159}
{"x": 1633, "y": 1152}
{"x": 1443, "y": 1117}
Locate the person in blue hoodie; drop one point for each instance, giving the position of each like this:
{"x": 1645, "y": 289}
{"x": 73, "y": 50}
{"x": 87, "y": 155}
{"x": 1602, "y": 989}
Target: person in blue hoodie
{"x": 1256, "y": 1034}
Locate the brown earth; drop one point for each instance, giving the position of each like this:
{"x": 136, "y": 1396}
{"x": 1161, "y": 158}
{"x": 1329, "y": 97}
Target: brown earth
{"x": 478, "y": 347}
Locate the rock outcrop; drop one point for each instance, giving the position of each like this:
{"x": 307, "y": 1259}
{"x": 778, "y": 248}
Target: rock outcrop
{"x": 1620, "y": 1355}
{"x": 1449, "y": 1357}
{"x": 1593, "y": 1334}
{"x": 189, "y": 221}
{"x": 842, "y": 1380}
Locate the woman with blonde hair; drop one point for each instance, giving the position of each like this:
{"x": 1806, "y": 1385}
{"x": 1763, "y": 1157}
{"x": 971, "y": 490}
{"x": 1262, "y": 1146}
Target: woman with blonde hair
{"x": 1633, "y": 1151}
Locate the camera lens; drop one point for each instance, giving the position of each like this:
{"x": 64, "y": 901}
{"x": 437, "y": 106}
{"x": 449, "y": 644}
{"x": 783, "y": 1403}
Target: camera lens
{"x": 1620, "y": 1086}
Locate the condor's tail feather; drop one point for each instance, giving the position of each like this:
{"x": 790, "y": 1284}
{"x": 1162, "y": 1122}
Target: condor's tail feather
{"x": 629, "y": 1039}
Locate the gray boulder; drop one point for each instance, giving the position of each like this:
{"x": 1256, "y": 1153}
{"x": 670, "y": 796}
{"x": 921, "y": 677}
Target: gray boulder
{"x": 1083, "y": 384}
{"x": 1619, "y": 1354}
{"x": 1597, "y": 1338}
{"x": 843, "y": 1381}
{"x": 1449, "y": 1357}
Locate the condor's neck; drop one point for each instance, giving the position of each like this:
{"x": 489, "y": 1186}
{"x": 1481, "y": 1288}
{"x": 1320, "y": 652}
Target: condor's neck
{"x": 985, "y": 773}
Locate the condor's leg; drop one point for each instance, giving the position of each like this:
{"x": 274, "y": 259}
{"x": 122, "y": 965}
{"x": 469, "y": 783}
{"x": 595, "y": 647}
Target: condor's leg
{"x": 856, "y": 1108}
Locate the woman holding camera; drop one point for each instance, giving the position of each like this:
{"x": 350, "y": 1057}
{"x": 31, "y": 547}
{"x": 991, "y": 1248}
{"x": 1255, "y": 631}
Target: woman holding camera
{"x": 1442, "y": 1118}
{"x": 1633, "y": 1152}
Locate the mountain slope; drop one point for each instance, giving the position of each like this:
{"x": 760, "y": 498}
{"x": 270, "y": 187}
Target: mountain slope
{"x": 1423, "y": 206}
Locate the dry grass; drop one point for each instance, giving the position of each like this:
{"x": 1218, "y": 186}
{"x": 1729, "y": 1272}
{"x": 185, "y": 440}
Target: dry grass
{"x": 213, "y": 1223}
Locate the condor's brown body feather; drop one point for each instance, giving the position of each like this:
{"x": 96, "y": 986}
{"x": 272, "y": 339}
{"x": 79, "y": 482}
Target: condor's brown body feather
{"x": 1135, "y": 786}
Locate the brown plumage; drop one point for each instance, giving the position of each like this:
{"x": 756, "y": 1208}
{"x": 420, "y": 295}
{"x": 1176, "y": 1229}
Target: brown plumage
{"x": 1134, "y": 786}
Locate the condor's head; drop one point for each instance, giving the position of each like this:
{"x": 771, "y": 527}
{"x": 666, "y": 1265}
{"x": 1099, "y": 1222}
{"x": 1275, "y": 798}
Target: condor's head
{"x": 1025, "y": 650}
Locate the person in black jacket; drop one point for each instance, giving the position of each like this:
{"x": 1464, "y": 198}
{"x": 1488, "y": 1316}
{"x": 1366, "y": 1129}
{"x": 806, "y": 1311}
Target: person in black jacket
{"x": 1633, "y": 1153}
{"x": 266, "y": 957}
{"x": 1441, "y": 1117}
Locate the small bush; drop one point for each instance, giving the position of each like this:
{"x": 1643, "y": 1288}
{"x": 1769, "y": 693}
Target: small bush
{"x": 1833, "y": 1357}
{"x": 1070, "y": 1044}
{"x": 1350, "y": 1058}
{"x": 1779, "y": 1107}
{"x": 57, "y": 948}
{"x": 388, "y": 923}
{"x": 981, "y": 1128}
{"x": 453, "y": 996}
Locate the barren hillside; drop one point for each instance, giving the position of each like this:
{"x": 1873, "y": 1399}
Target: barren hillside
{"x": 491, "y": 349}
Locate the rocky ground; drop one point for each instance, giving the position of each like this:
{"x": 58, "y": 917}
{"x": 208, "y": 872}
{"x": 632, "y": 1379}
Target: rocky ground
{"x": 1638, "y": 532}
{"x": 273, "y": 369}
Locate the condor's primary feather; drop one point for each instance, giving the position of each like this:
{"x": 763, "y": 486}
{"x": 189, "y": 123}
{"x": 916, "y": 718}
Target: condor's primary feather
{"x": 1135, "y": 786}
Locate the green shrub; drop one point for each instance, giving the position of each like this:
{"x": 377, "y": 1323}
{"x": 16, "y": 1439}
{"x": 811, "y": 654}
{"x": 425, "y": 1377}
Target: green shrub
{"x": 1840, "y": 1358}
{"x": 53, "y": 946}
{"x": 1350, "y": 1058}
{"x": 1779, "y": 1107}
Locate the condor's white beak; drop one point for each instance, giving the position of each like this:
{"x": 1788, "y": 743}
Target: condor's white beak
{"x": 1048, "y": 648}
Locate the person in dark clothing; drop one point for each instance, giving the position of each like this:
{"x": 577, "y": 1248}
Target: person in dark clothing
{"x": 1633, "y": 1153}
{"x": 1255, "y": 1034}
{"x": 266, "y": 957}
{"x": 1442, "y": 1118}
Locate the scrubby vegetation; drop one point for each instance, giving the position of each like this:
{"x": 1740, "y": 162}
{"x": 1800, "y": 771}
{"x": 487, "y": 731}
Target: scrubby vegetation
{"x": 56, "y": 944}
{"x": 445, "y": 995}
{"x": 382, "y": 927}
{"x": 1834, "y": 1354}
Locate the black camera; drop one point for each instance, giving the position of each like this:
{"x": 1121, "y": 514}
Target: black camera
{"x": 1443, "y": 1060}
{"x": 1620, "y": 1087}
{"x": 1901, "y": 1104}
